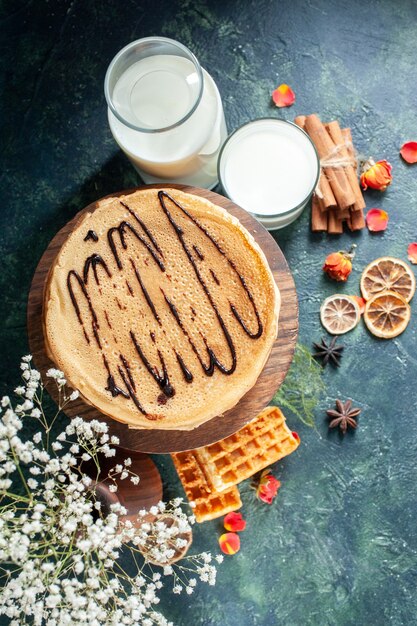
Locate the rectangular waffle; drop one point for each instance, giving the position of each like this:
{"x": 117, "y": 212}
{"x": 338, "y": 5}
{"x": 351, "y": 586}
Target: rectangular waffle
{"x": 263, "y": 441}
{"x": 208, "y": 503}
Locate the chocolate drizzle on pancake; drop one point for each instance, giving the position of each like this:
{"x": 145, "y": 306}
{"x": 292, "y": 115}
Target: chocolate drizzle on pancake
{"x": 91, "y": 236}
{"x": 93, "y": 261}
{"x": 198, "y": 253}
{"x": 214, "y": 276}
{"x": 146, "y": 248}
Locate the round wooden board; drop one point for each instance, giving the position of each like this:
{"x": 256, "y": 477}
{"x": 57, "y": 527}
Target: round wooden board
{"x": 166, "y": 441}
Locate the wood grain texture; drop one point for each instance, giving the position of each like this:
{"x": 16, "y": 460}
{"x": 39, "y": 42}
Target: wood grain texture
{"x": 164, "y": 441}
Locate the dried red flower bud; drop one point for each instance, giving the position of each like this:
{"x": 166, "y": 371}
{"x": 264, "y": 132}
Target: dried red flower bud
{"x": 376, "y": 175}
{"x": 338, "y": 265}
{"x": 268, "y": 487}
{"x": 234, "y": 522}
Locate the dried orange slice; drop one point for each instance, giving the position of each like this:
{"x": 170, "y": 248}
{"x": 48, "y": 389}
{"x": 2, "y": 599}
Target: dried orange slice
{"x": 339, "y": 314}
{"x": 388, "y": 274}
{"x": 387, "y": 314}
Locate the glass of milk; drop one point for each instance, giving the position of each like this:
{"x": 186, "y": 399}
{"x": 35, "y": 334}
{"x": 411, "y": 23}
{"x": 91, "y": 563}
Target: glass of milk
{"x": 270, "y": 168}
{"x": 165, "y": 112}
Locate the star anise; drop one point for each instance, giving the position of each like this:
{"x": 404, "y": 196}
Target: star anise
{"x": 344, "y": 416}
{"x": 328, "y": 352}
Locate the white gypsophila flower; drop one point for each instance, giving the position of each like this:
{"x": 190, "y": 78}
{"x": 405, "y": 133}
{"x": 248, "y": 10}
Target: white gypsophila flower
{"x": 135, "y": 480}
{"x": 54, "y": 373}
{"x": 27, "y": 405}
{"x": 74, "y": 395}
{"x": 20, "y": 390}
{"x": 53, "y": 590}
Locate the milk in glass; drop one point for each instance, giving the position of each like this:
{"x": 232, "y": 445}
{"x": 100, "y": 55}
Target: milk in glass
{"x": 157, "y": 93}
{"x": 270, "y": 168}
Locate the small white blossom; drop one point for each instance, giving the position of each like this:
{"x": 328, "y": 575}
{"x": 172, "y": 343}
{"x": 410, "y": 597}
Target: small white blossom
{"x": 58, "y": 540}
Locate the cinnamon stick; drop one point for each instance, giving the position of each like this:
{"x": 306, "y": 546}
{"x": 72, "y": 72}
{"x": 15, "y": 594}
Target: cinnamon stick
{"x": 326, "y": 148}
{"x": 300, "y": 121}
{"x": 327, "y": 197}
{"x": 357, "y": 220}
{"x": 347, "y": 136}
{"x": 341, "y": 138}
{"x": 343, "y": 214}
{"x": 318, "y": 217}
{"x": 329, "y": 201}
{"x": 334, "y": 223}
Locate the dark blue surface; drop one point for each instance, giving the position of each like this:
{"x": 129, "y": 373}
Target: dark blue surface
{"x": 339, "y": 545}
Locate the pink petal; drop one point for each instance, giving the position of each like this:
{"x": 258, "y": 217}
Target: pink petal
{"x": 234, "y": 522}
{"x": 409, "y": 152}
{"x": 376, "y": 220}
{"x": 229, "y": 543}
{"x": 361, "y": 302}
{"x": 283, "y": 96}
{"x": 412, "y": 252}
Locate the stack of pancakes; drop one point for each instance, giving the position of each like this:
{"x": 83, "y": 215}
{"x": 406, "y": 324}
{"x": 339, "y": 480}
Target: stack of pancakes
{"x": 161, "y": 309}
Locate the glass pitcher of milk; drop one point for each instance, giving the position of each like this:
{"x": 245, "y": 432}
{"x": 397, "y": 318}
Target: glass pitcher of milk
{"x": 165, "y": 112}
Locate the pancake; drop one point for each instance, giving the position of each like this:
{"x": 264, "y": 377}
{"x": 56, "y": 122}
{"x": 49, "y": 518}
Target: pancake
{"x": 161, "y": 309}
